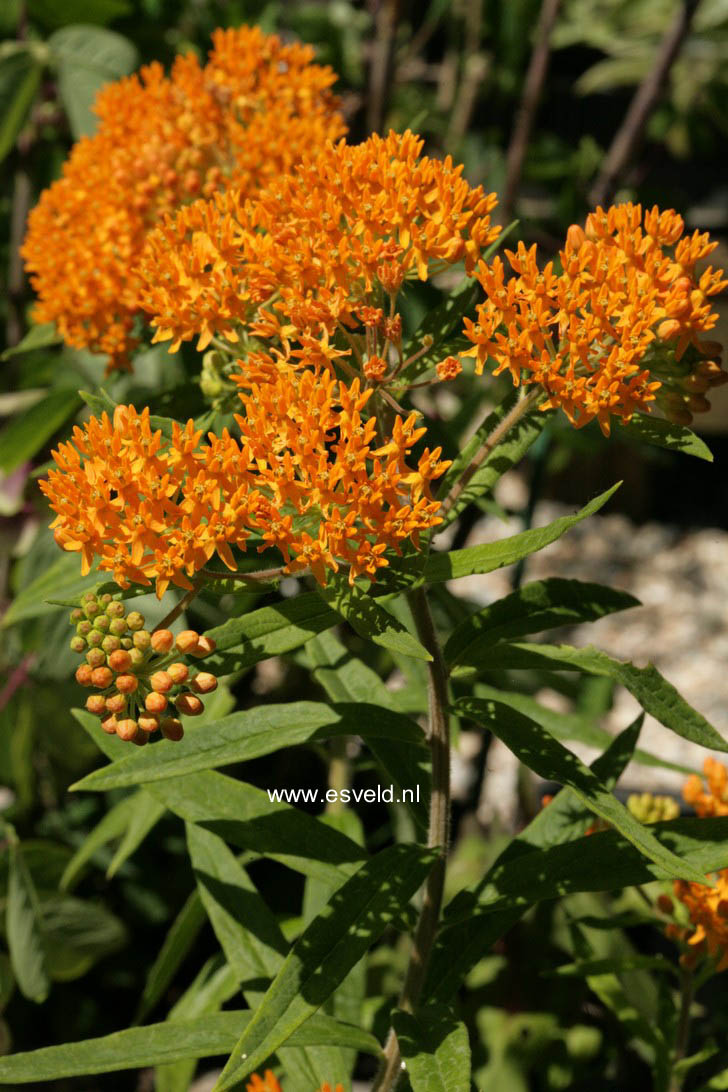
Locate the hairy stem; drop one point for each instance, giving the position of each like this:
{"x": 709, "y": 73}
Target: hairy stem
{"x": 438, "y": 835}
{"x": 521, "y": 408}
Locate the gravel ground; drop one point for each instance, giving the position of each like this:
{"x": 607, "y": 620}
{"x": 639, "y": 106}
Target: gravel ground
{"x": 681, "y": 579}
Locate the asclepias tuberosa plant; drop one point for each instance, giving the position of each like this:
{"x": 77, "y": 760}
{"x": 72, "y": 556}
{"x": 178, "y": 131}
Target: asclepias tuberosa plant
{"x": 231, "y": 220}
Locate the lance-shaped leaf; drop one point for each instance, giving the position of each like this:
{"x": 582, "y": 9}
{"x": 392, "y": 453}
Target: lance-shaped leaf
{"x": 108, "y": 829}
{"x": 27, "y": 433}
{"x": 160, "y": 1044}
{"x": 541, "y": 605}
{"x": 538, "y": 750}
{"x": 179, "y": 939}
{"x": 504, "y": 455}
{"x": 459, "y": 946}
{"x": 654, "y": 693}
{"x": 250, "y": 734}
{"x": 269, "y": 631}
{"x": 435, "y": 1050}
{"x": 491, "y": 555}
{"x": 252, "y": 941}
{"x": 246, "y": 816}
{"x": 24, "y": 927}
{"x": 655, "y": 430}
{"x": 355, "y": 917}
{"x": 371, "y": 621}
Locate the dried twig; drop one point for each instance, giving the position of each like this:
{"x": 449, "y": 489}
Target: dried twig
{"x": 525, "y": 117}
{"x": 648, "y": 94}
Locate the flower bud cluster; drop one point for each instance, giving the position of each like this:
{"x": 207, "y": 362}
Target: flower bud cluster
{"x": 140, "y": 679}
{"x": 652, "y": 809}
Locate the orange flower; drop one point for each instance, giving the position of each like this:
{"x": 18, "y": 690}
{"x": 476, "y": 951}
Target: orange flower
{"x": 244, "y": 118}
{"x": 327, "y": 246}
{"x": 269, "y": 1083}
{"x": 622, "y": 320}
{"x": 715, "y": 800}
{"x": 708, "y": 910}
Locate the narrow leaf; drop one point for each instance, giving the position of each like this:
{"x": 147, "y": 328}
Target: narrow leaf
{"x": 144, "y": 817}
{"x": 370, "y": 620}
{"x": 355, "y": 917}
{"x": 20, "y": 75}
{"x": 541, "y": 605}
{"x": 654, "y": 693}
{"x": 250, "y": 734}
{"x": 38, "y": 337}
{"x": 24, "y": 929}
{"x": 538, "y": 750}
{"x": 655, "y": 430}
{"x": 435, "y": 1050}
{"x": 177, "y": 943}
{"x": 110, "y": 827}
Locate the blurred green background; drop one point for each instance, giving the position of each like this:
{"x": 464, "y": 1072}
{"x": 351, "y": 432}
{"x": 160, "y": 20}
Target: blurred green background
{"x": 454, "y": 70}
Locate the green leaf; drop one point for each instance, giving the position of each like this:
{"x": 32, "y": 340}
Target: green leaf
{"x": 87, "y": 57}
{"x": 345, "y": 678}
{"x": 355, "y": 917}
{"x": 250, "y": 734}
{"x": 538, "y": 750}
{"x": 145, "y": 815}
{"x": 435, "y": 1050}
{"x": 504, "y": 455}
{"x": 51, "y": 14}
{"x": 269, "y": 631}
{"x": 654, "y": 693}
{"x": 60, "y": 579}
{"x": 20, "y": 74}
{"x": 108, "y": 829}
{"x": 543, "y": 604}
{"x": 249, "y": 935}
{"x": 246, "y": 816}
{"x": 371, "y": 621}
{"x": 25, "y": 928}
{"x": 578, "y": 726}
{"x": 655, "y": 430}
{"x": 158, "y": 1044}
{"x": 494, "y": 555}
{"x": 38, "y": 337}
{"x": 27, "y": 433}
{"x": 179, "y": 939}
{"x": 615, "y": 965}
{"x": 77, "y": 934}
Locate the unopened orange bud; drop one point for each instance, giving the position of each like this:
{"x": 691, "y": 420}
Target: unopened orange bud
{"x": 141, "y": 738}
{"x": 162, "y": 640}
{"x": 695, "y": 383}
{"x": 575, "y": 236}
{"x": 120, "y": 660}
{"x": 205, "y": 646}
{"x": 665, "y": 904}
{"x": 204, "y": 683}
{"x": 178, "y": 672}
{"x": 109, "y": 725}
{"x": 697, "y": 403}
{"x": 102, "y": 677}
{"x": 172, "y": 728}
{"x": 668, "y": 329}
{"x": 116, "y": 703}
{"x": 127, "y": 729}
{"x": 96, "y": 704}
{"x": 187, "y": 640}
{"x": 148, "y": 722}
{"x": 83, "y": 675}
{"x": 127, "y": 684}
{"x": 710, "y": 348}
{"x": 189, "y": 705}
{"x": 161, "y": 681}
{"x": 155, "y": 703}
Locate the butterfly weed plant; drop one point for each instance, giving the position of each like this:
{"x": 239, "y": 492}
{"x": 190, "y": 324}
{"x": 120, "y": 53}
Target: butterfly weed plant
{"x": 221, "y": 212}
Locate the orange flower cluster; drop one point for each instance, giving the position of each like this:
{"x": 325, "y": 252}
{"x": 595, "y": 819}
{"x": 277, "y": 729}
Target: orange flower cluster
{"x": 715, "y": 800}
{"x": 329, "y": 245}
{"x": 708, "y": 910}
{"x": 244, "y": 118}
{"x": 137, "y": 675}
{"x": 269, "y": 1083}
{"x": 310, "y": 477}
{"x": 614, "y": 327}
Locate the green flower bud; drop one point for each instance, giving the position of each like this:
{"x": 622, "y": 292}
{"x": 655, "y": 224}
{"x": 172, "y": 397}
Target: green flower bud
{"x": 105, "y": 599}
{"x": 142, "y": 639}
{"x": 137, "y": 656}
{"x": 92, "y": 608}
{"x": 115, "y": 609}
{"x": 135, "y": 620}
{"x": 84, "y": 628}
{"x": 126, "y": 642}
{"x": 102, "y": 623}
{"x": 117, "y": 626}
{"x": 95, "y": 638}
{"x": 110, "y": 643}
{"x": 88, "y": 597}
{"x": 78, "y": 644}
{"x": 76, "y": 615}
{"x": 95, "y": 657}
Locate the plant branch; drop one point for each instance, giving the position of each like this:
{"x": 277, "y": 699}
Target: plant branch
{"x": 528, "y": 106}
{"x": 683, "y": 1026}
{"x": 648, "y": 94}
{"x": 522, "y": 407}
{"x": 182, "y": 605}
{"x": 438, "y": 835}
{"x": 258, "y": 577}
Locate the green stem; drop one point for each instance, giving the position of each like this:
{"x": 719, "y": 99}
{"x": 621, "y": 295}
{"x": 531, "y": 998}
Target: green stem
{"x": 438, "y": 835}
{"x": 683, "y": 1026}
